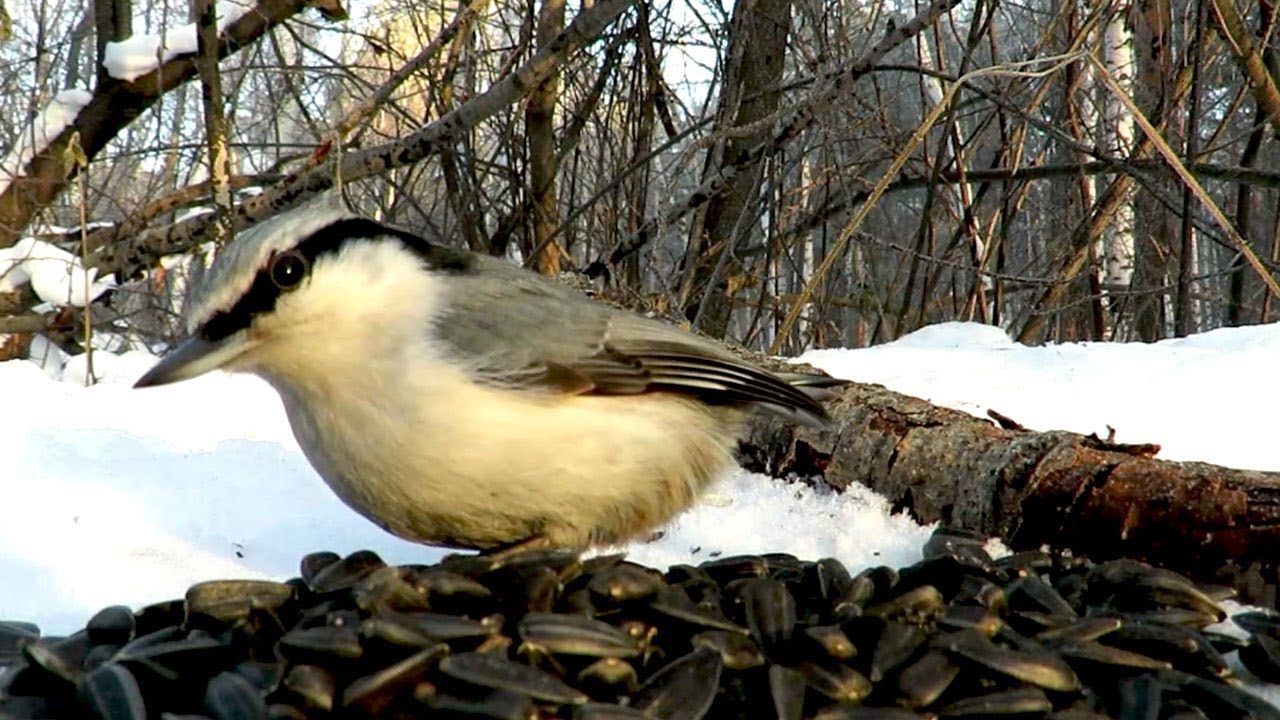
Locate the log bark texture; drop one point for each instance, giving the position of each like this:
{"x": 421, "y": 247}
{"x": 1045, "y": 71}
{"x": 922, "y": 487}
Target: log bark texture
{"x": 1032, "y": 488}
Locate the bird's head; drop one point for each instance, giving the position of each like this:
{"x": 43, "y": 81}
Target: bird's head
{"x": 301, "y": 291}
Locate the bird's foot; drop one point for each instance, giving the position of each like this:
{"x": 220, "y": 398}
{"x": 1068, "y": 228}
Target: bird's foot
{"x": 501, "y": 553}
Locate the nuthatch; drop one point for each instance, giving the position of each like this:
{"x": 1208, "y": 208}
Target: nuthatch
{"x": 456, "y": 399}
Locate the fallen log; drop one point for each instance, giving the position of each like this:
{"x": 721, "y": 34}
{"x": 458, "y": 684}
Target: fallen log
{"x": 1061, "y": 489}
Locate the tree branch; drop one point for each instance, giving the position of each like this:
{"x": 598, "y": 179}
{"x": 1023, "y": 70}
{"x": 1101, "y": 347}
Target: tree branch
{"x": 115, "y": 104}
{"x": 793, "y": 122}
{"x": 131, "y": 256}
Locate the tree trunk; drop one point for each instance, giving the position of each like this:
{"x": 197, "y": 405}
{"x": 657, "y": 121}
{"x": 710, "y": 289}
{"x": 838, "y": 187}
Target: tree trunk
{"x": 215, "y": 121}
{"x": 1184, "y": 314}
{"x": 1260, "y": 69}
{"x": 1118, "y": 138}
{"x": 758, "y": 46}
{"x": 1032, "y": 488}
{"x": 112, "y": 23}
{"x": 539, "y": 125}
{"x": 1156, "y": 94}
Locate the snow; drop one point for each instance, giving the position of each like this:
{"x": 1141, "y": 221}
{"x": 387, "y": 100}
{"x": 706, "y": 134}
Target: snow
{"x": 140, "y": 54}
{"x": 203, "y": 479}
{"x": 56, "y": 275}
{"x": 1208, "y": 397}
{"x": 60, "y": 113}
{"x": 12, "y": 273}
{"x": 122, "y": 496}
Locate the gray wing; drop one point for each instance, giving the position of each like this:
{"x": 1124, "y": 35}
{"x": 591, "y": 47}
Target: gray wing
{"x": 514, "y": 328}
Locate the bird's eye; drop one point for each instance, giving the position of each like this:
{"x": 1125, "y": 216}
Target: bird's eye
{"x": 288, "y": 269}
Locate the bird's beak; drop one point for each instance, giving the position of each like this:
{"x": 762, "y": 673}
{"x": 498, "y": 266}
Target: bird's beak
{"x": 195, "y": 356}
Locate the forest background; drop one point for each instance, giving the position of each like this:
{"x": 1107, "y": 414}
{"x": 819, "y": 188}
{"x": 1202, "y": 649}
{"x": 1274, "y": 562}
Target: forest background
{"x": 788, "y": 174}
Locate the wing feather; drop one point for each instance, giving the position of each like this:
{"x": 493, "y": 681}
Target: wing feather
{"x": 513, "y": 328}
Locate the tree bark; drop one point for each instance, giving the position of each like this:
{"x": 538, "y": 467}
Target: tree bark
{"x": 1158, "y": 95}
{"x": 1117, "y": 136}
{"x": 112, "y": 23}
{"x": 1261, "y": 71}
{"x": 1185, "y": 321}
{"x": 1032, "y": 488}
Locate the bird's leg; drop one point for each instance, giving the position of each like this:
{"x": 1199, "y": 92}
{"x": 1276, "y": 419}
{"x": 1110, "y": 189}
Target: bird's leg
{"x": 519, "y": 547}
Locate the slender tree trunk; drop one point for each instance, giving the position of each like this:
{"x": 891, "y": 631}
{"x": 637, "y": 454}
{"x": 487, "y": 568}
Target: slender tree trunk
{"x": 757, "y": 49}
{"x": 1086, "y": 126}
{"x": 1154, "y": 93}
{"x": 1267, "y": 299}
{"x": 1243, "y": 221}
{"x": 457, "y": 158}
{"x": 539, "y": 120}
{"x": 1117, "y": 132}
{"x": 959, "y": 198}
{"x": 215, "y": 123}
{"x": 80, "y": 36}
{"x": 112, "y": 21}
{"x": 647, "y": 94}
{"x": 1184, "y": 315}
{"x": 1245, "y": 194}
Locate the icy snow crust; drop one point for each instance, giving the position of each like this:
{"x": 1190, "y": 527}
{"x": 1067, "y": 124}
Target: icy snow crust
{"x": 1210, "y": 397}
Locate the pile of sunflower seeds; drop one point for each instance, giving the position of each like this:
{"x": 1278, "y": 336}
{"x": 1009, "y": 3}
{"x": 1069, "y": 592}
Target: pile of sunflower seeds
{"x": 549, "y": 635}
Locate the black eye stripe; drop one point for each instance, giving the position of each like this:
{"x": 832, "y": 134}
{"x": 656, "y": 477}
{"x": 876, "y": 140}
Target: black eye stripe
{"x": 263, "y": 293}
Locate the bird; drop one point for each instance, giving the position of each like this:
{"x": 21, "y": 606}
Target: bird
{"x": 458, "y": 400}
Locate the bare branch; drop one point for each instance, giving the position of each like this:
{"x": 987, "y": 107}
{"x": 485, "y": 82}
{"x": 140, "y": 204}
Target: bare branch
{"x": 114, "y": 104}
{"x": 799, "y": 117}
{"x": 131, "y": 257}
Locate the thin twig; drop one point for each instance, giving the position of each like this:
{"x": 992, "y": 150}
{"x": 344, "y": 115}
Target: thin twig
{"x": 1175, "y": 163}
{"x": 886, "y": 179}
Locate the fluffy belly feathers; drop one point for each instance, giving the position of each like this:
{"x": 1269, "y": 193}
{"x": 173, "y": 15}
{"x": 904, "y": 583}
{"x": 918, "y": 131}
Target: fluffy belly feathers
{"x": 480, "y": 467}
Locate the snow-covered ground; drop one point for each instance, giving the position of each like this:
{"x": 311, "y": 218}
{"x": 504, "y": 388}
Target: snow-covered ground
{"x": 120, "y": 496}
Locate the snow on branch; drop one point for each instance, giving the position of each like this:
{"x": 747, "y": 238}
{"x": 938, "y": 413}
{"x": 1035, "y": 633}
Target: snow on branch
{"x": 56, "y": 276}
{"x": 140, "y": 54}
{"x": 60, "y": 113}
{"x": 35, "y": 177}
